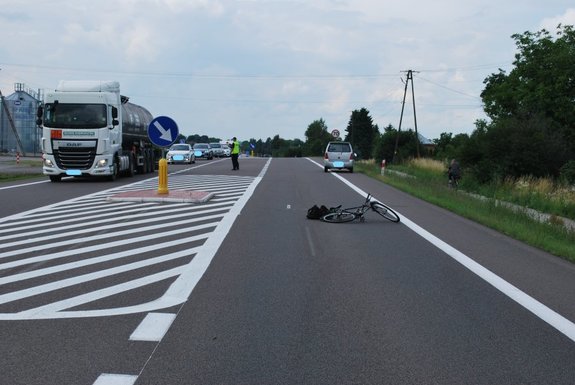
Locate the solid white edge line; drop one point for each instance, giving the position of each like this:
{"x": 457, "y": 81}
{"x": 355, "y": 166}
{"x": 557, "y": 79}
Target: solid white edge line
{"x": 153, "y": 327}
{"x": 546, "y": 314}
{"x": 24, "y": 185}
{"x": 193, "y": 272}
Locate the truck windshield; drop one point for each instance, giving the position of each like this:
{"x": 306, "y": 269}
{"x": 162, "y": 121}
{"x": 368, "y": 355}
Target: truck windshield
{"x": 64, "y": 115}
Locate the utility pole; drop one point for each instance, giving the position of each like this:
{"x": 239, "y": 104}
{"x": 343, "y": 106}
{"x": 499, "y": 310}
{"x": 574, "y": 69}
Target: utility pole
{"x": 409, "y": 77}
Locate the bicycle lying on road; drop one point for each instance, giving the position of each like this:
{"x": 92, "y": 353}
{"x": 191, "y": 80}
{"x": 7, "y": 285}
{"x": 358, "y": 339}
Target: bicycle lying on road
{"x": 339, "y": 215}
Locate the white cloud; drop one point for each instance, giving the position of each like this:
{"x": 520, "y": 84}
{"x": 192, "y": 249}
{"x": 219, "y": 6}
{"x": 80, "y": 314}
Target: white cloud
{"x": 566, "y": 18}
{"x": 255, "y": 67}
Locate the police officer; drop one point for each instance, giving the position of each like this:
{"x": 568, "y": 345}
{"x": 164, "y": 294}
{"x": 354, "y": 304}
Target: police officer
{"x": 235, "y": 153}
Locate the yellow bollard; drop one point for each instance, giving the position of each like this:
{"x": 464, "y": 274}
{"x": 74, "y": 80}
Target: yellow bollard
{"x": 163, "y": 176}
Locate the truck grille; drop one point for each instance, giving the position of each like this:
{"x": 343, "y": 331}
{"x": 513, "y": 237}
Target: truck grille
{"x": 75, "y": 158}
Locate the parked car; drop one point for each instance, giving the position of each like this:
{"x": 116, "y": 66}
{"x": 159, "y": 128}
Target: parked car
{"x": 227, "y": 149}
{"x": 338, "y": 155}
{"x": 203, "y": 150}
{"x": 217, "y": 150}
{"x": 181, "y": 153}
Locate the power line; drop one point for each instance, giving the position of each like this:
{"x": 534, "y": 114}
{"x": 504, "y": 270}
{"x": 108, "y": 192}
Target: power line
{"x": 244, "y": 76}
{"x": 447, "y": 88}
{"x": 209, "y": 76}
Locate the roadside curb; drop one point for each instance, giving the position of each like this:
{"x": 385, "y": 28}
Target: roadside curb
{"x": 569, "y": 224}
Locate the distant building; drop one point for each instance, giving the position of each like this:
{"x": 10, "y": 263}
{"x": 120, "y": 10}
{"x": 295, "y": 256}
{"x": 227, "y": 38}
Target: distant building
{"x": 427, "y": 144}
{"x": 22, "y": 105}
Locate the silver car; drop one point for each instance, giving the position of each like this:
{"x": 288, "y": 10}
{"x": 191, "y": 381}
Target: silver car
{"x": 217, "y": 150}
{"x": 338, "y": 155}
{"x": 181, "y": 153}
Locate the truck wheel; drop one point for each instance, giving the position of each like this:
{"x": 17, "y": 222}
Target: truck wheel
{"x": 131, "y": 166}
{"x": 115, "y": 171}
{"x": 55, "y": 178}
{"x": 145, "y": 161}
{"x": 141, "y": 169}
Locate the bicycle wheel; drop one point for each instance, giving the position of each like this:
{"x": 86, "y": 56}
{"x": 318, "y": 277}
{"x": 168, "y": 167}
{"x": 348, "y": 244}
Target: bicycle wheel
{"x": 385, "y": 211}
{"x": 338, "y": 217}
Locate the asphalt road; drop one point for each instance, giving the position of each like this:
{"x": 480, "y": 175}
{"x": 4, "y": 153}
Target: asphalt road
{"x": 249, "y": 291}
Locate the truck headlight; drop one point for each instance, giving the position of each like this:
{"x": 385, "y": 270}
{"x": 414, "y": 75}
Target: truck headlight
{"x": 102, "y": 163}
{"x": 48, "y": 163}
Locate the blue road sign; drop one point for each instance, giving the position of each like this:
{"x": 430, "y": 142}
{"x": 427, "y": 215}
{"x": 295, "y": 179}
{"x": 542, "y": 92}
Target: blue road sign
{"x": 163, "y": 131}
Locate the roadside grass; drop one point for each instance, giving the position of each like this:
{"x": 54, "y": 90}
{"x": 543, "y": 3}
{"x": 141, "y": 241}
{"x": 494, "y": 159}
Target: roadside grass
{"x": 24, "y": 163}
{"x": 31, "y": 163}
{"x": 429, "y": 183}
{"x": 16, "y": 177}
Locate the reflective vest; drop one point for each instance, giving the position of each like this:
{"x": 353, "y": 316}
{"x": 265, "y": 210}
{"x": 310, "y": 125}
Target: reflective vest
{"x": 236, "y": 147}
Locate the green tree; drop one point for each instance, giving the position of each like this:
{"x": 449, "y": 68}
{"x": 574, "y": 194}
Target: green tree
{"x": 533, "y": 107}
{"x": 449, "y": 146}
{"x": 295, "y": 148}
{"x": 200, "y": 139}
{"x": 361, "y": 132}
{"x": 180, "y": 139}
{"x": 384, "y": 144}
{"x": 279, "y": 146}
{"x": 316, "y": 138}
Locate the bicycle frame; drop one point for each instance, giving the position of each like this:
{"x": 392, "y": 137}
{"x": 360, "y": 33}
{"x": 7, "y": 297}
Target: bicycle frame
{"x": 339, "y": 215}
{"x": 359, "y": 211}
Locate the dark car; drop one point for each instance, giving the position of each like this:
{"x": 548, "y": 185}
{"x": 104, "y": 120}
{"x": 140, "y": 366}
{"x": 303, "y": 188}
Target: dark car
{"x": 203, "y": 150}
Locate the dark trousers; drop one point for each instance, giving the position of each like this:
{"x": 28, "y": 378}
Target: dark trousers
{"x": 235, "y": 163}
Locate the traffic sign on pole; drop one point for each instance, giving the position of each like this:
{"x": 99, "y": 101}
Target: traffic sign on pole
{"x": 163, "y": 131}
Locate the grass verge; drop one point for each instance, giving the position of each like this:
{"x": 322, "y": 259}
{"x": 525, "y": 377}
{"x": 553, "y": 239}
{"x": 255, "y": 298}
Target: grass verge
{"x": 16, "y": 177}
{"x": 432, "y": 187}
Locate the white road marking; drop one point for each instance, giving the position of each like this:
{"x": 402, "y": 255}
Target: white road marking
{"x": 23, "y": 185}
{"x": 72, "y": 241}
{"x": 546, "y": 314}
{"x": 79, "y": 279}
{"x": 55, "y": 309}
{"x": 69, "y": 230}
{"x": 186, "y": 282}
{"x": 92, "y": 261}
{"x": 153, "y": 327}
{"x": 115, "y": 379}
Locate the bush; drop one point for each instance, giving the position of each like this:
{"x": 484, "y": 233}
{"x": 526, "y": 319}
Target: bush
{"x": 567, "y": 172}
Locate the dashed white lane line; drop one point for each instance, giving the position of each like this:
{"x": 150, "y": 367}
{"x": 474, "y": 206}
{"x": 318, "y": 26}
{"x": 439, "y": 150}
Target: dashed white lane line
{"x": 115, "y": 379}
{"x": 153, "y": 327}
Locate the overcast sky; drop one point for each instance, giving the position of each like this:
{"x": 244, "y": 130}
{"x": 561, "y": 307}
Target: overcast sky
{"x": 260, "y": 68}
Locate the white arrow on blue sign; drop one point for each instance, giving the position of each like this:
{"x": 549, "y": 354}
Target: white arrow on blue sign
{"x": 163, "y": 131}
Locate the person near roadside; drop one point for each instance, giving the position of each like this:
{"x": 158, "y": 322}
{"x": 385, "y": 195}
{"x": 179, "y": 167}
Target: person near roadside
{"x": 454, "y": 173}
{"x": 235, "y": 153}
